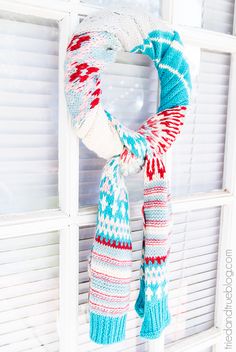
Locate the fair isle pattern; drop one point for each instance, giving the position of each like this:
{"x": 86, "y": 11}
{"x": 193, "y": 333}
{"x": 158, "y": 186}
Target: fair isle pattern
{"x": 82, "y": 73}
{"x": 110, "y": 263}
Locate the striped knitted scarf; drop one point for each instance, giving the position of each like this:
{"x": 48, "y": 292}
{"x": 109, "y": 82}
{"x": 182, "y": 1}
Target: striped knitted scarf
{"x": 110, "y": 263}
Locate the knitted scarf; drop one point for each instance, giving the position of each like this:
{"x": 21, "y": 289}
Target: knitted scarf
{"x": 110, "y": 262}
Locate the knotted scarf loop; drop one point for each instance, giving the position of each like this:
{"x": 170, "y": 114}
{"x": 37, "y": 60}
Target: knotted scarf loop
{"x": 93, "y": 45}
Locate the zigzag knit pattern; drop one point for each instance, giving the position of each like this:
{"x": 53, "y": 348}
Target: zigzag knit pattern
{"x": 110, "y": 263}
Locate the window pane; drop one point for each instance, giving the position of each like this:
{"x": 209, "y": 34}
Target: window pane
{"x": 29, "y": 292}
{"x": 130, "y": 93}
{"x": 193, "y": 270}
{"x": 28, "y": 114}
{"x": 215, "y": 15}
{"x": 198, "y": 153}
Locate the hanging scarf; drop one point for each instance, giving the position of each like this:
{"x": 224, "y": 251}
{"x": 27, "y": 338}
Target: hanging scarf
{"x": 93, "y": 44}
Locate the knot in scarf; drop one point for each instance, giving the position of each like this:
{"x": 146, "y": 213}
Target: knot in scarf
{"x": 110, "y": 264}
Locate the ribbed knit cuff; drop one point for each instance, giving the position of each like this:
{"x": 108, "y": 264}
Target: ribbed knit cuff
{"x": 106, "y": 329}
{"x": 156, "y": 318}
{"x": 140, "y": 301}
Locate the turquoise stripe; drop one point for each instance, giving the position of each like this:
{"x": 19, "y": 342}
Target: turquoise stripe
{"x": 174, "y": 92}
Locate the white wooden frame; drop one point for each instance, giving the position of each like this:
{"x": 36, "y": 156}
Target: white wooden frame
{"x": 67, "y": 218}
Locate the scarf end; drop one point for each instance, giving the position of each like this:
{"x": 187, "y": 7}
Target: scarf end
{"x": 156, "y": 318}
{"x": 106, "y": 329}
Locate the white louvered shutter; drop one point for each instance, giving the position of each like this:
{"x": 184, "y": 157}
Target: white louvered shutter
{"x": 214, "y": 15}
{"x": 198, "y": 153}
{"x": 192, "y": 272}
{"x": 28, "y": 114}
{"x": 218, "y": 15}
{"x": 28, "y": 181}
{"x": 29, "y": 293}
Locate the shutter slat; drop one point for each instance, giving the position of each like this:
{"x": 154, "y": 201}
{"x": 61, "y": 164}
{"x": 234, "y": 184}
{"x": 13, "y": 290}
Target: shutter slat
{"x": 32, "y": 321}
{"x": 29, "y": 292}
{"x": 30, "y": 343}
{"x": 29, "y": 30}
{"x": 28, "y": 276}
{"x": 26, "y": 44}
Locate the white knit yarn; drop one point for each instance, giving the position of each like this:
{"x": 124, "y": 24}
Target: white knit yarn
{"x": 130, "y": 26}
{"x": 98, "y": 135}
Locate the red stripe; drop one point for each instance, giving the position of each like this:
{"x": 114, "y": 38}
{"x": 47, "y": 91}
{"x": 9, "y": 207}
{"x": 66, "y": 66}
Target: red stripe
{"x": 159, "y": 259}
{"x": 109, "y": 309}
{"x": 159, "y": 223}
{"x": 158, "y": 189}
{"x": 109, "y": 297}
{"x": 110, "y": 278}
{"x": 155, "y": 242}
{"x": 155, "y": 221}
{"x": 154, "y": 204}
{"x": 113, "y": 244}
{"x": 151, "y": 193}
